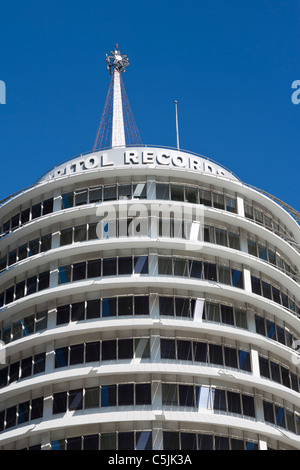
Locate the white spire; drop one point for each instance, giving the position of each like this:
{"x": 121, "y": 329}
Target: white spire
{"x": 116, "y": 64}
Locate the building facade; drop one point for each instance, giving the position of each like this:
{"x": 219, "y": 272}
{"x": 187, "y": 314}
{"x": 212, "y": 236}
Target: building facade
{"x": 149, "y": 299}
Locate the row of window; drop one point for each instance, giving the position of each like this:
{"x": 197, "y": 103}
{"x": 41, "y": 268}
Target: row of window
{"x": 271, "y": 256}
{"x": 24, "y": 327}
{"x": 142, "y": 440}
{"x": 132, "y": 440}
{"x": 139, "y": 394}
{"x": 282, "y": 417}
{"x": 130, "y": 348}
{"x": 173, "y": 440}
{"x": 278, "y": 373}
{"x": 102, "y": 267}
{"x": 198, "y": 269}
{"x": 266, "y": 219}
{"x": 21, "y": 413}
{"x": 164, "y": 191}
{"x": 31, "y": 248}
{"x": 129, "y": 305}
{"x": 31, "y": 285}
{"x": 205, "y": 353}
{"x": 21, "y": 369}
{"x": 26, "y": 215}
{"x": 106, "y": 350}
{"x": 270, "y": 329}
{"x": 128, "y": 394}
{"x": 105, "y": 307}
{"x": 85, "y": 232}
{"x": 267, "y": 290}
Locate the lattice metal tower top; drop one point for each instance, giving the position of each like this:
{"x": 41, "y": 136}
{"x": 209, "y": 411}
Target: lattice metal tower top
{"x": 116, "y": 61}
{"x": 117, "y": 126}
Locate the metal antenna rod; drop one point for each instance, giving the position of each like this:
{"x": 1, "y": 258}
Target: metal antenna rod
{"x": 177, "y": 132}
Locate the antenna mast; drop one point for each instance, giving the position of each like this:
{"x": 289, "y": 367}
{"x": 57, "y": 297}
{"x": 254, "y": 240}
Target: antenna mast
{"x": 117, "y": 127}
{"x": 177, "y": 132}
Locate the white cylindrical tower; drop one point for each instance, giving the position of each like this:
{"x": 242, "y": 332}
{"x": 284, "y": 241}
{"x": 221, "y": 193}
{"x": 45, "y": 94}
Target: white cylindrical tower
{"x": 149, "y": 299}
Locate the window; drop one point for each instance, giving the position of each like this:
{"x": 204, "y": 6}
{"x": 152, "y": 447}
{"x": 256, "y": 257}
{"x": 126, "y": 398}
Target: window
{"x": 224, "y": 275}
{"x": 227, "y": 315}
{"x": 108, "y": 395}
{"x": 95, "y": 194}
{"x": 230, "y": 357}
{"x": 80, "y": 233}
{"x": 212, "y": 312}
{"x": 177, "y": 193}
{"x": 162, "y": 191}
{"x": 125, "y": 265}
{"x": 195, "y": 269}
{"x": 94, "y": 268}
{"x": 76, "y": 354}
{"x": 125, "y": 394}
{"x": 166, "y": 306}
{"x": 44, "y": 279}
{"x": 92, "y": 397}
{"x": 15, "y": 220}
{"x": 125, "y": 305}
{"x": 237, "y": 278}
{"x": 256, "y": 288}
{"x": 191, "y": 195}
{"x": 109, "y": 307}
{"x": 110, "y": 193}
{"x": 219, "y": 399}
{"x": 64, "y": 274}
{"x": 186, "y": 395}
{"x": 141, "y": 265}
{"x": 125, "y": 441}
{"x": 31, "y": 285}
{"x": 165, "y": 266}
{"x": 93, "y": 309}
{"x": 200, "y": 352}
{"x": 125, "y": 349}
{"x": 79, "y": 271}
{"x": 169, "y": 394}
{"x": 48, "y": 206}
{"x": 26, "y": 366}
{"x": 109, "y": 350}
{"x": 81, "y": 197}
{"x": 59, "y": 402}
{"x": 41, "y": 321}
{"x": 167, "y": 348}
{"x": 75, "y": 399}
{"x": 143, "y": 440}
{"x": 184, "y": 350}
{"x": 182, "y": 307}
{"x": 78, "y": 311}
{"x": 109, "y": 267}
{"x": 63, "y": 315}
{"x": 210, "y": 271}
{"x": 141, "y": 305}
{"x": 66, "y": 236}
{"x": 143, "y": 394}
{"x": 215, "y": 354}
{"x": 92, "y": 352}
{"x": 67, "y": 200}
{"x": 61, "y": 357}
{"x": 188, "y": 441}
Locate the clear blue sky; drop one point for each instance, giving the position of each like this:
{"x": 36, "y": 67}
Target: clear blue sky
{"x": 230, "y": 64}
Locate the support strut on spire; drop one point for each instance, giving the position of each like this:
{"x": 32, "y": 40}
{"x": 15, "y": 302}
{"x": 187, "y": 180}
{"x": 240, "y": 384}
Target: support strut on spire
{"x": 117, "y": 126}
